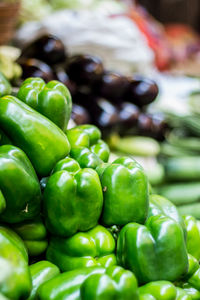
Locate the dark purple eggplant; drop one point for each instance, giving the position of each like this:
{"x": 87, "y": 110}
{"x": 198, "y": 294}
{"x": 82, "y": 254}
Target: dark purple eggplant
{"x": 142, "y": 91}
{"x": 112, "y": 86}
{"x": 35, "y": 68}
{"x": 84, "y": 69}
{"x": 62, "y": 76}
{"x": 47, "y": 48}
{"x": 80, "y": 115}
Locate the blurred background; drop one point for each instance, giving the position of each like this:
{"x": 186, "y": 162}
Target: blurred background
{"x": 133, "y": 69}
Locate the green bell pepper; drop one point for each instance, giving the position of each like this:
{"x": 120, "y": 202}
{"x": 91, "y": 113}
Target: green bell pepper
{"x": 93, "y": 283}
{"x": 88, "y": 136}
{"x": 159, "y": 205}
{"x": 20, "y": 193}
{"x": 156, "y": 251}
{"x": 43, "y": 142}
{"x": 5, "y": 87}
{"x": 85, "y": 157}
{"x": 53, "y": 100}
{"x": 84, "y": 249}
{"x": 15, "y": 276}
{"x": 193, "y": 236}
{"x": 162, "y": 290}
{"x": 73, "y": 199}
{"x": 125, "y": 191}
{"x": 34, "y": 236}
{"x": 41, "y": 272}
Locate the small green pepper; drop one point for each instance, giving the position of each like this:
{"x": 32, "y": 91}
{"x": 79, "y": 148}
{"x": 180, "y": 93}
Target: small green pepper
{"x": 151, "y": 251}
{"x": 34, "y": 235}
{"x": 5, "y": 87}
{"x": 73, "y": 199}
{"x": 125, "y": 191}
{"x": 15, "y": 277}
{"x": 41, "y": 272}
{"x": 92, "y": 283}
{"x": 20, "y": 193}
{"x": 193, "y": 236}
{"x": 43, "y": 142}
{"x": 53, "y": 100}
{"x": 84, "y": 249}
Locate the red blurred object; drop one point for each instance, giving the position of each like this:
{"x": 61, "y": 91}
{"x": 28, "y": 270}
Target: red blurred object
{"x": 155, "y": 35}
{"x": 184, "y": 41}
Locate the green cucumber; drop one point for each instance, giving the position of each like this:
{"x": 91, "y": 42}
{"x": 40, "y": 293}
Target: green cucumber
{"x": 183, "y": 168}
{"x": 190, "y": 209}
{"x": 181, "y": 193}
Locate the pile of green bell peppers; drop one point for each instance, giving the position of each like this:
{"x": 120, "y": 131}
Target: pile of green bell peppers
{"x": 76, "y": 225}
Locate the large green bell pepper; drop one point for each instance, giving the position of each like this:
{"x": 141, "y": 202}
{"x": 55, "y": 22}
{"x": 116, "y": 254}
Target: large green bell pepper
{"x": 53, "y": 100}
{"x": 162, "y": 290}
{"x": 41, "y": 272}
{"x": 19, "y": 186}
{"x": 73, "y": 199}
{"x": 34, "y": 236}
{"x": 84, "y": 249}
{"x": 15, "y": 279}
{"x": 125, "y": 191}
{"x": 43, "y": 142}
{"x": 159, "y": 205}
{"x": 88, "y": 136}
{"x": 5, "y": 87}
{"x": 156, "y": 251}
{"x": 93, "y": 283}
{"x": 193, "y": 236}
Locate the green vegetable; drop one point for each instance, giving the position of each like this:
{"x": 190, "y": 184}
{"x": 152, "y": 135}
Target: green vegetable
{"x": 162, "y": 290}
{"x": 5, "y": 87}
{"x": 181, "y": 193}
{"x": 125, "y": 191}
{"x": 53, "y": 100}
{"x": 43, "y": 142}
{"x": 135, "y": 145}
{"x": 84, "y": 249}
{"x": 190, "y": 209}
{"x": 15, "y": 276}
{"x": 89, "y": 136}
{"x": 159, "y": 205}
{"x": 193, "y": 236}
{"x": 182, "y": 168}
{"x": 72, "y": 200}
{"x": 19, "y": 186}
{"x": 34, "y": 235}
{"x": 149, "y": 250}
{"x": 41, "y": 272}
{"x": 98, "y": 283}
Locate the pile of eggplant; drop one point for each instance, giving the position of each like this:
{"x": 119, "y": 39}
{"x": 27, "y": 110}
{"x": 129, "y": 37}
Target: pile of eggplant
{"x": 110, "y": 100}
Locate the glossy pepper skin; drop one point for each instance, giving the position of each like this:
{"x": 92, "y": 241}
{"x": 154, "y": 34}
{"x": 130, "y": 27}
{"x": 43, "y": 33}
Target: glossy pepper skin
{"x": 43, "y": 142}
{"x": 193, "y": 236}
{"x": 125, "y": 191}
{"x": 53, "y": 100}
{"x": 34, "y": 236}
{"x": 93, "y": 283}
{"x": 84, "y": 249}
{"x": 15, "y": 276}
{"x": 159, "y": 205}
{"x": 162, "y": 290}
{"x": 5, "y": 87}
{"x": 73, "y": 199}
{"x": 20, "y": 193}
{"x": 191, "y": 281}
{"x": 149, "y": 250}
{"x": 88, "y": 136}
{"x": 41, "y": 272}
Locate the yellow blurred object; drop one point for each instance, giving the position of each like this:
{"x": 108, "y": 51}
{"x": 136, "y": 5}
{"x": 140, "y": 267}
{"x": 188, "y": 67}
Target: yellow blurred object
{"x": 8, "y": 65}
